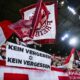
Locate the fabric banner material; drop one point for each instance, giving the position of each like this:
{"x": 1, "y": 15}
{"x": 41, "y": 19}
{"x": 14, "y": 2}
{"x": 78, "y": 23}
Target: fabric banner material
{"x": 20, "y": 56}
{"x": 45, "y": 32}
{"x": 40, "y": 18}
{"x": 22, "y": 29}
{"x": 69, "y": 60}
{"x": 5, "y": 31}
{"x": 2, "y": 37}
{"x": 9, "y": 73}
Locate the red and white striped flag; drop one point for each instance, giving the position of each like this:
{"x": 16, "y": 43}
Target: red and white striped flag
{"x": 69, "y": 60}
{"x": 10, "y": 73}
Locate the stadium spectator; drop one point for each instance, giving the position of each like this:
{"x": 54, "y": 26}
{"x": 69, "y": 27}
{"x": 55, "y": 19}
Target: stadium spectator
{"x": 3, "y": 55}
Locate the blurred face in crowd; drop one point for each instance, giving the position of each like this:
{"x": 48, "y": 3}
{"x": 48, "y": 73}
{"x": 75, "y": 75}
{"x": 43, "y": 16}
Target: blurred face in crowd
{"x": 53, "y": 57}
{"x": 3, "y": 54}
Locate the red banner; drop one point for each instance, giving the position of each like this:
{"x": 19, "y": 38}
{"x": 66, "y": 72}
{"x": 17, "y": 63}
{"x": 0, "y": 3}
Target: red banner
{"x": 15, "y": 76}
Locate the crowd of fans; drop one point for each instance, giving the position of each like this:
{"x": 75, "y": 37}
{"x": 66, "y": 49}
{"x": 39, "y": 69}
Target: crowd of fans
{"x": 56, "y": 61}
{"x": 14, "y": 39}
